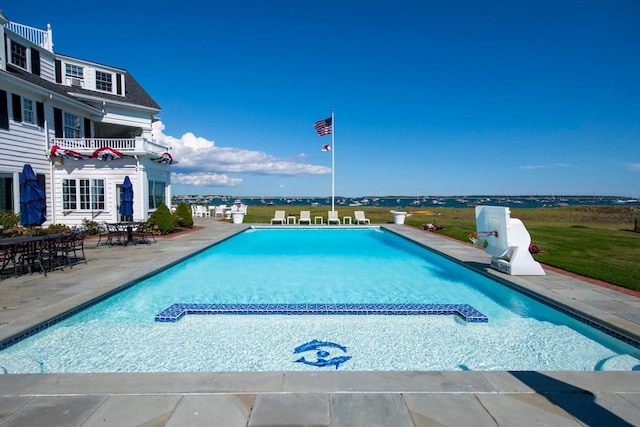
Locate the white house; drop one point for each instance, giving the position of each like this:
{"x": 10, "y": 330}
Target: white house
{"x": 81, "y": 125}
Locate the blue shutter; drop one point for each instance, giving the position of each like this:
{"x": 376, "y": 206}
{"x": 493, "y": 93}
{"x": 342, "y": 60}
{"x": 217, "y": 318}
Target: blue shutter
{"x": 17, "y": 107}
{"x": 57, "y": 123}
{"x": 40, "y": 113}
{"x": 4, "y": 110}
{"x": 35, "y": 61}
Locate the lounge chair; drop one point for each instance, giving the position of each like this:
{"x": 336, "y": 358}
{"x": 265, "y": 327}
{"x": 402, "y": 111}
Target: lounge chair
{"x": 219, "y": 211}
{"x": 305, "y": 216}
{"x": 333, "y": 217}
{"x": 200, "y": 211}
{"x": 278, "y": 217}
{"x": 358, "y": 217}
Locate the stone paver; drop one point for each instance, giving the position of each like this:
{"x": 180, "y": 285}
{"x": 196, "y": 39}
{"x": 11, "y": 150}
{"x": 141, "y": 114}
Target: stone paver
{"x": 369, "y": 410}
{"x": 431, "y": 409}
{"x": 213, "y": 410}
{"x": 305, "y": 398}
{"x": 296, "y": 409}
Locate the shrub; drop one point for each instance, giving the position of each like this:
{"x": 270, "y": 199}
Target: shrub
{"x": 90, "y": 227}
{"x": 183, "y": 216}
{"x": 162, "y": 219}
{"x": 9, "y": 219}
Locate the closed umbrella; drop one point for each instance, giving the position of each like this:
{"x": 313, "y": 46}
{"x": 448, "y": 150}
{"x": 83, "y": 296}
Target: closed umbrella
{"x": 32, "y": 198}
{"x": 126, "y": 204}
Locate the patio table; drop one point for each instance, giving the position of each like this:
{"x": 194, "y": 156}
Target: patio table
{"x": 30, "y": 252}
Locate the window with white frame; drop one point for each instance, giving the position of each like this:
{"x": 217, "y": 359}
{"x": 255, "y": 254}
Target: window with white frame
{"x": 74, "y": 71}
{"x": 104, "y": 81}
{"x": 18, "y": 55}
{"x": 83, "y": 194}
{"x": 156, "y": 194}
{"x": 74, "y": 74}
{"x": 69, "y": 195}
{"x": 71, "y": 126}
{"x": 28, "y": 113}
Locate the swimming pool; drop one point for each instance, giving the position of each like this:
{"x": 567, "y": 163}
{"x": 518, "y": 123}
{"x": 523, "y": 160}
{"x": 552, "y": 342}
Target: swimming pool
{"x": 320, "y": 266}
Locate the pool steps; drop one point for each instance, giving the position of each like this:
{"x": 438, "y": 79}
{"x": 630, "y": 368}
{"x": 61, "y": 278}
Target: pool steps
{"x": 176, "y": 311}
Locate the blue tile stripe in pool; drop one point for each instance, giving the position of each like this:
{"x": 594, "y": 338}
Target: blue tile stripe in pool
{"x": 176, "y": 311}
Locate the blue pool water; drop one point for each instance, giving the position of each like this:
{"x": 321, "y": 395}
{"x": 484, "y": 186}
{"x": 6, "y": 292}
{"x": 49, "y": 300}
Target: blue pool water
{"x": 335, "y": 268}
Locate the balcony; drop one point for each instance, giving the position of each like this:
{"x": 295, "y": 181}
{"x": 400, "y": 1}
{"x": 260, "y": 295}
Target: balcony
{"x": 130, "y": 146}
{"x": 42, "y": 38}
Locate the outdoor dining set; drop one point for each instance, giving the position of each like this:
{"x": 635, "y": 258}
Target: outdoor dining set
{"x": 126, "y": 233}
{"x": 43, "y": 253}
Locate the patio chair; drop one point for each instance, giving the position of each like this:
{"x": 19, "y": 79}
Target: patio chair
{"x": 200, "y": 211}
{"x": 144, "y": 233}
{"x": 358, "y": 217}
{"x": 117, "y": 231}
{"x": 305, "y": 216}
{"x": 68, "y": 245}
{"x": 333, "y": 217}
{"x": 8, "y": 260}
{"x": 220, "y": 211}
{"x": 278, "y": 217}
{"x": 103, "y": 231}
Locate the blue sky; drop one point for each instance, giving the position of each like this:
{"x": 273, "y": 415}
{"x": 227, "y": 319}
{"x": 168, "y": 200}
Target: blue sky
{"x": 431, "y": 97}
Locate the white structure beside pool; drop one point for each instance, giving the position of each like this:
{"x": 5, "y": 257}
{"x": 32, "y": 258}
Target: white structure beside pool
{"x": 83, "y": 127}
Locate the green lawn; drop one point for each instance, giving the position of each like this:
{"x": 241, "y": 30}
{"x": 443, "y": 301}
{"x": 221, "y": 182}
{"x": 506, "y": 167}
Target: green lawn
{"x": 590, "y": 241}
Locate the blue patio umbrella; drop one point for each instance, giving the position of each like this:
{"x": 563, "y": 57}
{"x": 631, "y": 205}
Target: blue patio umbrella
{"x": 33, "y": 206}
{"x": 126, "y": 204}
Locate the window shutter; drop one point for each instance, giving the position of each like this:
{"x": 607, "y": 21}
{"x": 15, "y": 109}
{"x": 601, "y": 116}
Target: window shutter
{"x": 35, "y": 61}
{"x": 17, "y": 107}
{"x": 119, "y": 84}
{"x": 57, "y": 122}
{"x": 87, "y": 128}
{"x": 4, "y": 110}
{"x": 58, "y": 71}
{"x": 40, "y": 113}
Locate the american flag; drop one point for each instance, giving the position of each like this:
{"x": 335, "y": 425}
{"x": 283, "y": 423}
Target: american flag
{"x": 323, "y": 127}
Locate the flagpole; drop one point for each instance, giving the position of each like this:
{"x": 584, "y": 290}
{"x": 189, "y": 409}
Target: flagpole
{"x": 333, "y": 154}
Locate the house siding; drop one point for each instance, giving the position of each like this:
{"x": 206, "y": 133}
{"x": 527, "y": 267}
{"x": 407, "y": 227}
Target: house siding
{"x": 125, "y": 112}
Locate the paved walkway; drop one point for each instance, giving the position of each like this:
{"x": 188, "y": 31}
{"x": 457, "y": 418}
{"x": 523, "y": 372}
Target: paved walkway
{"x": 300, "y": 398}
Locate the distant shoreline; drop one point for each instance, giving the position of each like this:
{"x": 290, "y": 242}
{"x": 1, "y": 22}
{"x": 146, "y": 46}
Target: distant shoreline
{"x": 530, "y": 201}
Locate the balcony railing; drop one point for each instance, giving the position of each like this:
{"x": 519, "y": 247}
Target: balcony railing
{"x": 139, "y": 145}
{"x": 40, "y": 37}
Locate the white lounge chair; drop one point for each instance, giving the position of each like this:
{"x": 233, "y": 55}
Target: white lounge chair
{"x": 278, "y": 217}
{"x": 195, "y": 211}
{"x": 358, "y": 217}
{"x": 219, "y": 211}
{"x": 305, "y": 216}
{"x": 333, "y": 217}
{"x": 201, "y": 211}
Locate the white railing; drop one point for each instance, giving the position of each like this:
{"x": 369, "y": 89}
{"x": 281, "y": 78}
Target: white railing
{"x": 155, "y": 148}
{"x": 137, "y": 145}
{"x": 40, "y": 37}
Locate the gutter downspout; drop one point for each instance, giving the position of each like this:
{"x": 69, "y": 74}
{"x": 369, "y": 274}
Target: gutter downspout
{"x": 140, "y": 190}
{"x": 52, "y": 168}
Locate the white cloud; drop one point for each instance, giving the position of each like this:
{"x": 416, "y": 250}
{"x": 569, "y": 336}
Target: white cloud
{"x": 205, "y": 179}
{"x": 200, "y": 162}
{"x": 553, "y": 165}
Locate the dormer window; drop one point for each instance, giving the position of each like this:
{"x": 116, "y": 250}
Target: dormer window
{"x": 104, "y": 81}
{"x": 18, "y": 55}
{"x": 74, "y": 75}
